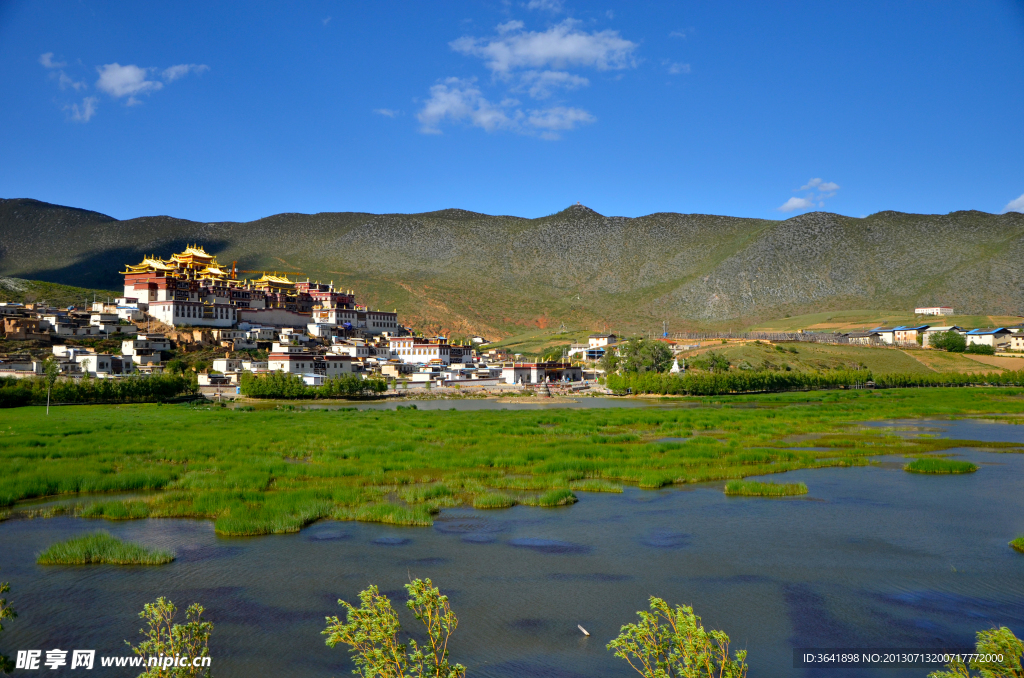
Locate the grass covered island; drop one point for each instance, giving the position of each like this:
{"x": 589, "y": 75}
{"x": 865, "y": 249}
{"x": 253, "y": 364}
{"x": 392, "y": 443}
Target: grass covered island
{"x": 1018, "y": 544}
{"x": 101, "y": 548}
{"x": 939, "y": 466}
{"x": 262, "y": 471}
{"x": 752, "y": 488}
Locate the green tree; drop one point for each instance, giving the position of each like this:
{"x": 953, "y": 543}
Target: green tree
{"x": 372, "y": 629}
{"x": 980, "y": 349}
{"x": 951, "y": 341}
{"x": 6, "y": 612}
{"x": 710, "y": 362}
{"x": 51, "y": 370}
{"x": 640, "y": 355}
{"x": 176, "y": 366}
{"x": 669, "y": 643}
{"x": 999, "y": 641}
{"x": 165, "y": 639}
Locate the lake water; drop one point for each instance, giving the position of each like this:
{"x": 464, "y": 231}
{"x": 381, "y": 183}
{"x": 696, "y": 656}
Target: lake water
{"x": 872, "y": 557}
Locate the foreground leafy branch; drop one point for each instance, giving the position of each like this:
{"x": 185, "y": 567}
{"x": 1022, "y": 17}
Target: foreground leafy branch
{"x": 6, "y": 612}
{"x": 999, "y": 641}
{"x": 372, "y": 629}
{"x": 167, "y": 640}
{"x": 669, "y": 643}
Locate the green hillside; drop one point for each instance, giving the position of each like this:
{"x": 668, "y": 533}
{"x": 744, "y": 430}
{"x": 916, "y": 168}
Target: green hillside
{"x": 465, "y": 273}
{"x": 55, "y": 294}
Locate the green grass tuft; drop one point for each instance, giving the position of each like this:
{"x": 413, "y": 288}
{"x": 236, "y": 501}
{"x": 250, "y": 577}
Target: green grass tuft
{"x": 595, "y": 485}
{"x": 392, "y": 514}
{"x": 752, "y": 488}
{"x": 561, "y": 497}
{"x": 102, "y": 548}
{"x": 1018, "y": 544}
{"x": 493, "y": 500}
{"x": 117, "y": 510}
{"x": 932, "y": 465}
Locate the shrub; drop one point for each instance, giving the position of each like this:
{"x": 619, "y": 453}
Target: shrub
{"x": 372, "y": 632}
{"x": 980, "y": 349}
{"x": 667, "y": 642}
{"x": 1018, "y": 544}
{"x": 950, "y": 340}
{"x": 166, "y": 640}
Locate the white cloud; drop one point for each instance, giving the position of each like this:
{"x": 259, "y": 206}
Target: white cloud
{"x": 558, "y": 47}
{"x": 47, "y": 61}
{"x": 457, "y": 100}
{"x": 552, "y": 120}
{"x": 119, "y": 81}
{"x": 387, "y": 112}
{"x": 541, "y": 84}
{"x": 509, "y": 26}
{"x": 1014, "y": 205}
{"x": 817, "y": 190}
{"x": 675, "y": 68}
{"x": 546, "y": 5}
{"x": 66, "y": 82}
{"x": 327, "y": 20}
{"x": 462, "y": 101}
{"x": 794, "y": 204}
{"x": 84, "y": 112}
{"x": 680, "y": 34}
{"x": 181, "y": 70}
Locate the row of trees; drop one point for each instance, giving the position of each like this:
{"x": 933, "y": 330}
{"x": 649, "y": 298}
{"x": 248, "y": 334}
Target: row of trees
{"x": 721, "y": 383}
{"x": 282, "y": 385}
{"x": 133, "y": 389}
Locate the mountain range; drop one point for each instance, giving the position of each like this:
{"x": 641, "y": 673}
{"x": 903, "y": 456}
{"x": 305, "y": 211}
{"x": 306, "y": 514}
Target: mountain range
{"x": 466, "y": 273}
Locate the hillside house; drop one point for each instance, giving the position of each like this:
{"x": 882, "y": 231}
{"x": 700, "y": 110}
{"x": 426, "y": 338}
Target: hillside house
{"x": 539, "y": 373}
{"x": 933, "y": 310}
{"x": 419, "y": 350}
{"x": 23, "y": 329}
{"x": 908, "y": 335}
{"x": 1017, "y": 342}
{"x": 601, "y": 340}
{"x": 996, "y": 337}
{"x": 886, "y": 335}
{"x": 862, "y": 337}
{"x": 304, "y": 362}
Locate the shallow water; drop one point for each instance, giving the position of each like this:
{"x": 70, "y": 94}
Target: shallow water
{"x": 871, "y": 557}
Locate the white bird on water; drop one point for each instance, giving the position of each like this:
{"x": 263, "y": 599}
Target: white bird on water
{"x": 585, "y": 632}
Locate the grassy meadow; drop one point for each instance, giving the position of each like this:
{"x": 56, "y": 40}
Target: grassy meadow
{"x": 100, "y": 548}
{"x": 259, "y": 471}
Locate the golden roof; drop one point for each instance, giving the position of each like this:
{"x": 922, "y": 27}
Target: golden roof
{"x": 281, "y": 280}
{"x": 149, "y": 263}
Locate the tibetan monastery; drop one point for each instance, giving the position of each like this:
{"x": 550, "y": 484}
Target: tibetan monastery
{"x": 193, "y": 289}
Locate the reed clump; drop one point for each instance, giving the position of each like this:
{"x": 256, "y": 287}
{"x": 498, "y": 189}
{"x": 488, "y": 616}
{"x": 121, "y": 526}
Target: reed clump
{"x": 594, "y": 485}
{"x": 753, "y": 488}
{"x": 391, "y": 514}
{"x": 940, "y": 466}
{"x": 1018, "y": 544}
{"x": 102, "y": 548}
{"x": 494, "y": 500}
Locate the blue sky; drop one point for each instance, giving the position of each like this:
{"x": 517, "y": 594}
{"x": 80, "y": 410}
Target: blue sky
{"x": 217, "y": 111}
